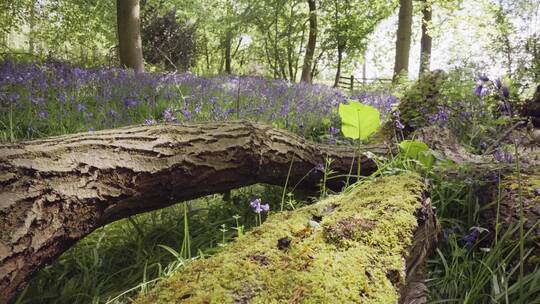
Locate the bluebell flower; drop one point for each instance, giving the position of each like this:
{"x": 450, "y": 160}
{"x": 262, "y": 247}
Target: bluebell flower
{"x": 505, "y": 93}
{"x": 130, "y": 102}
{"x": 503, "y": 157}
{"x": 478, "y": 90}
{"x": 483, "y": 77}
{"x": 258, "y": 206}
{"x": 149, "y": 121}
{"x": 471, "y": 238}
{"x": 399, "y": 125}
{"x": 186, "y": 113}
{"x": 168, "y": 115}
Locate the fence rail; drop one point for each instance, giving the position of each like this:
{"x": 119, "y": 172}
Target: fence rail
{"x": 350, "y": 82}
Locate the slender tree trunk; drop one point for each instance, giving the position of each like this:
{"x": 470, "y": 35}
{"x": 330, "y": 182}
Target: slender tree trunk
{"x": 312, "y": 42}
{"x": 299, "y": 53}
{"x": 276, "y": 59}
{"x": 403, "y": 40}
{"x": 426, "y": 40}
{"x": 228, "y": 59}
{"x": 206, "y": 54}
{"x": 338, "y": 69}
{"x": 55, "y": 191}
{"x": 31, "y": 39}
{"x": 129, "y": 34}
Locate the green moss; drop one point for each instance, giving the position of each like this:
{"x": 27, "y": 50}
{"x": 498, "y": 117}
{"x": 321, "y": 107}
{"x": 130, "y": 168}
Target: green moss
{"x": 530, "y": 186}
{"x": 417, "y": 103}
{"x": 347, "y": 248}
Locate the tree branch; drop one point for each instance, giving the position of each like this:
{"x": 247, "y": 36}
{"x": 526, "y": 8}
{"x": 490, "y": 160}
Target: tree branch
{"x": 55, "y": 191}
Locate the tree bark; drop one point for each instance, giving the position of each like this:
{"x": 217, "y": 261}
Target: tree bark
{"x": 426, "y": 40}
{"x": 55, "y": 191}
{"x": 129, "y": 34}
{"x": 228, "y": 59}
{"x": 32, "y": 25}
{"x": 403, "y": 40}
{"x": 312, "y": 42}
{"x": 338, "y": 68}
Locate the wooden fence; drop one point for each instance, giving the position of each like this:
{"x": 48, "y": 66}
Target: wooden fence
{"x": 349, "y": 83}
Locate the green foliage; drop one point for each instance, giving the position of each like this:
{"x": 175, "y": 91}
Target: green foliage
{"x": 359, "y": 121}
{"x": 418, "y": 150}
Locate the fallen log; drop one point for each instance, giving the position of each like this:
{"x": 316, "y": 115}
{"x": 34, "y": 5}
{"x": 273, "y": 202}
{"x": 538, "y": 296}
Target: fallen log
{"x": 367, "y": 245}
{"x": 55, "y": 191}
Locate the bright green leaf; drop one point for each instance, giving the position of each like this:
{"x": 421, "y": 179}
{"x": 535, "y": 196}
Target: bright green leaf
{"x": 418, "y": 150}
{"x": 413, "y": 147}
{"x": 358, "y": 121}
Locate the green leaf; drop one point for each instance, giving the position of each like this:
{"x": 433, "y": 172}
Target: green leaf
{"x": 426, "y": 158}
{"x": 358, "y": 121}
{"x": 413, "y": 147}
{"x": 418, "y": 150}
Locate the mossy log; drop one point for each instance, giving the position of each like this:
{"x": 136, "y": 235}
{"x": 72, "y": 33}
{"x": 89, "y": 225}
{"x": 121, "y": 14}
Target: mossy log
{"x": 366, "y": 245}
{"x": 55, "y": 191}
{"x": 517, "y": 196}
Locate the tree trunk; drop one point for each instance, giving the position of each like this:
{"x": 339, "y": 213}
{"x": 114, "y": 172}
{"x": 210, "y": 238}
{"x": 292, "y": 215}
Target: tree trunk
{"x": 32, "y": 25}
{"x": 338, "y": 68}
{"x": 56, "y": 191}
{"x": 345, "y": 249}
{"x": 129, "y": 34}
{"x": 312, "y": 42}
{"x": 403, "y": 40}
{"x": 426, "y": 40}
{"x": 228, "y": 59}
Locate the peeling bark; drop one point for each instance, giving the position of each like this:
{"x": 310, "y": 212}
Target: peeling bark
{"x": 55, "y": 191}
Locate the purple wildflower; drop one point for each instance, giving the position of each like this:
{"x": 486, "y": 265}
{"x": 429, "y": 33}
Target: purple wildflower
{"x": 479, "y": 90}
{"x": 168, "y": 115}
{"x": 503, "y": 157}
{"x": 149, "y": 121}
{"x": 198, "y": 108}
{"x": 186, "y": 113}
{"x": 130, "y": 102}
{"x": 258, "y": 206}
{"x": 399, "y": 125}
{"x": 471, "y": 238}
{"x": 43, "y": 114}
{"x": 80, "y": 107}
{"x": 333, "y": 131}
{"x": 483, "y": 77}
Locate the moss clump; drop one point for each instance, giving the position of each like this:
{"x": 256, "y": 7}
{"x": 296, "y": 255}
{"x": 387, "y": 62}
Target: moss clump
{"x": 349, "y": 248}
{"x": 418, "y": 103}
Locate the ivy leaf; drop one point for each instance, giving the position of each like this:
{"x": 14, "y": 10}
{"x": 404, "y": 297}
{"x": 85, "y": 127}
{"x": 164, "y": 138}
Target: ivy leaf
{"x": 358, "y": 121}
